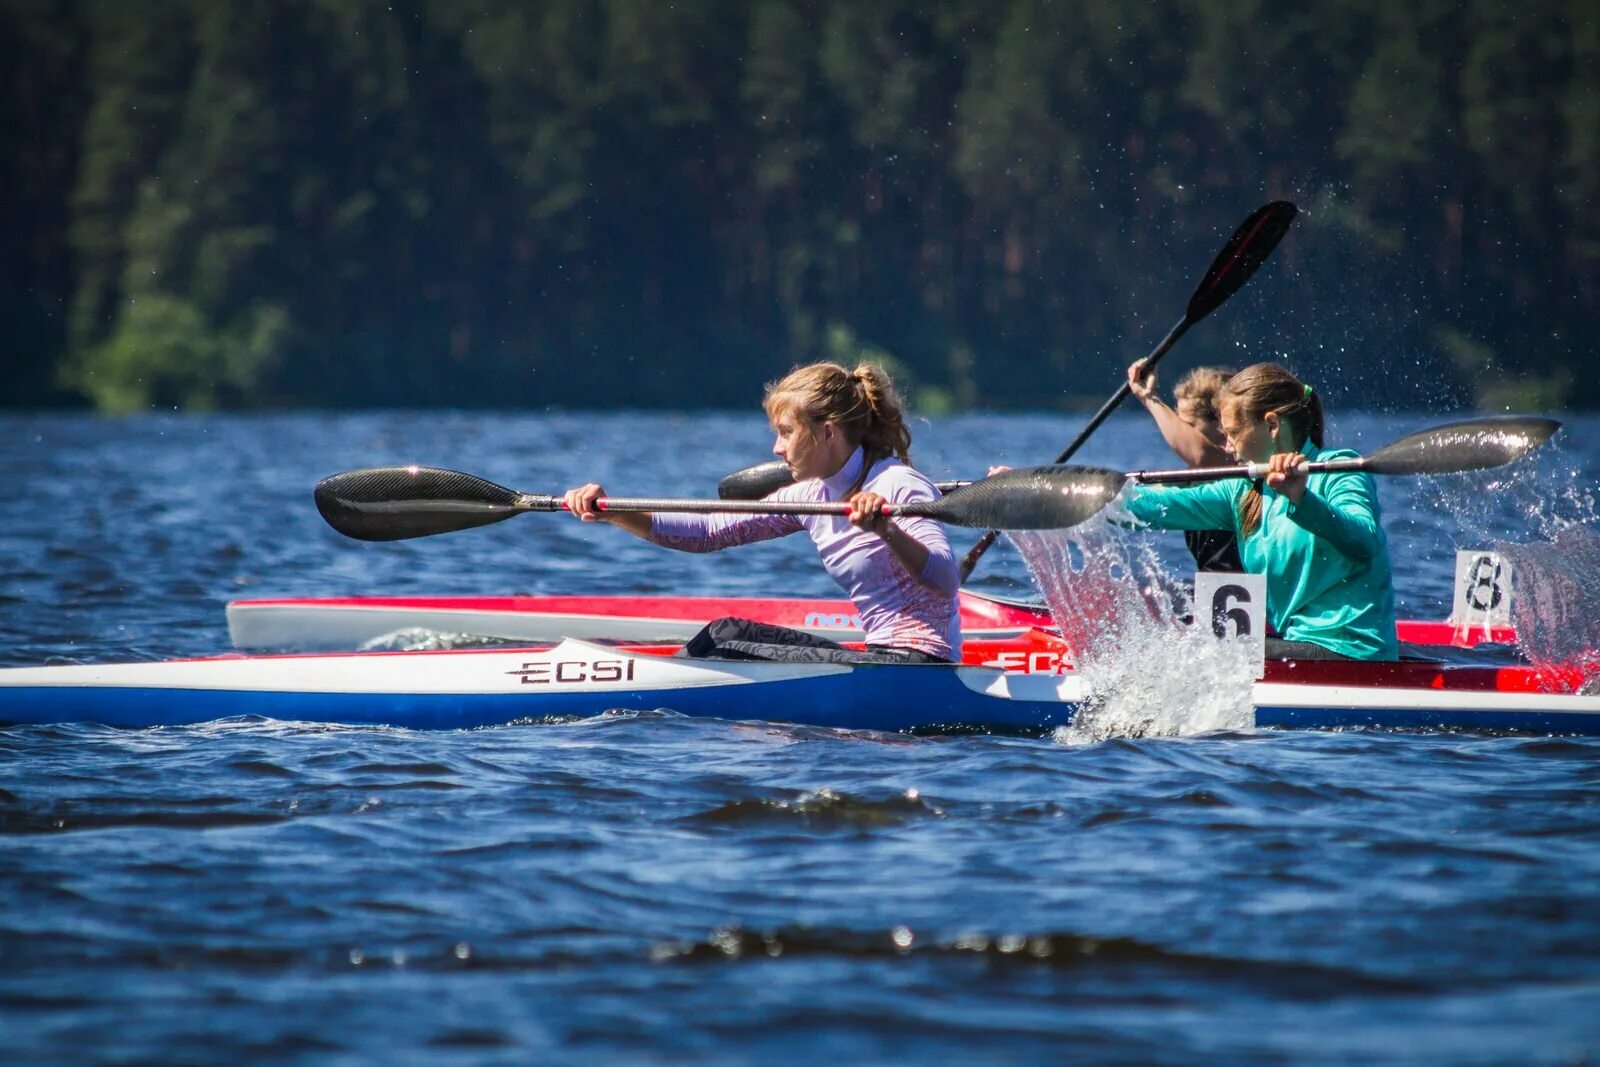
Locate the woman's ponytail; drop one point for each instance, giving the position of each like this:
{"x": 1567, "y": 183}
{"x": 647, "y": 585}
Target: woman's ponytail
{"x": 886, "y": 433}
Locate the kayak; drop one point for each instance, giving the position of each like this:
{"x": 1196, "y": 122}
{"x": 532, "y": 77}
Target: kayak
{"x": 351, "y": 622}
{"x": 1019, "y": 684}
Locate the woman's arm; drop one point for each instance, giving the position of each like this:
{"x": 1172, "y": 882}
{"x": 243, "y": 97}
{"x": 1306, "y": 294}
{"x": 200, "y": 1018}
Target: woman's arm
{"x": 918, "y": 544}
{"x": 929, "y": 561}
{"x": 581, "y": 503}
{"x": 1210, "y": 506}
{"x": 1188, "y": 443}
{"x": 1344, "y": 512}
{"x": 685, "y": 532}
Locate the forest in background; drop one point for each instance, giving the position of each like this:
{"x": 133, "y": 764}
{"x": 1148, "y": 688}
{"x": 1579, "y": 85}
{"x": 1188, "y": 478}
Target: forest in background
{"x": 240, "y": 204}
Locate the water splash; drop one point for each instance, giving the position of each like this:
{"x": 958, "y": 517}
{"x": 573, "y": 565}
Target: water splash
{"x": 1555, "y": 600}
{"x": 1148, "y": 672}
{"x": 1556, "y": 569}
{"x": 421, "y": 639}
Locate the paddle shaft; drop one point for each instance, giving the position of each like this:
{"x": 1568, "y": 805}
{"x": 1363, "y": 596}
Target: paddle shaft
{"x": 1192, "y": 475}
{"x": 976, "y": 552}
{"x": 622, "y": 505}
{"x": 1235, "y": 265}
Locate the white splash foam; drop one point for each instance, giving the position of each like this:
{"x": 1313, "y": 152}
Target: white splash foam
{"x": 1555, "y": 603}
{"x": 1149, "y": 674}
{"x": 420, "y": 639}
{"x": 1555, "y": 598}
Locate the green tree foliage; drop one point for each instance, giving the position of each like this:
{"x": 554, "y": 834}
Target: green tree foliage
{"x": 246, "y": 203}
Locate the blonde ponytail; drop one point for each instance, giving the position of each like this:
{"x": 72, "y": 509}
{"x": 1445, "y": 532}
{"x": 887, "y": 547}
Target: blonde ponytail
{"x": 886, "y": 433}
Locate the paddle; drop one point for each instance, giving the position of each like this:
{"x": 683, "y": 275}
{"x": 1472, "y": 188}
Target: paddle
{"x": 394, "y": 503}
{"x": 1471, "y": 445}
{"x": 1245, "y": 251}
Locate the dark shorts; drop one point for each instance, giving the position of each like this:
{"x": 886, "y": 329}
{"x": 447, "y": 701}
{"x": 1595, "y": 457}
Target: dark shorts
{"x": 1278, "y": 648}
{"x": 745, "y": 639}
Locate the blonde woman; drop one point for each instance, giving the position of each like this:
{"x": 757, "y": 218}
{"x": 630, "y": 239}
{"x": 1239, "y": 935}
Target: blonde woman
{"x": 1193, "y": 430}
{"x": 843, "y": 435}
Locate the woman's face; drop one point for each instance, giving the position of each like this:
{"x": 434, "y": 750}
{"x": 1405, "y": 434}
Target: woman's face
{"x": 811, "y": 449}
{"x": 1203, "y": 419}
{"x": 1251, "y": 440}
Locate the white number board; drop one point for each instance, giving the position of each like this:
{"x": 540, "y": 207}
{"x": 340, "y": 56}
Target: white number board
{"x": 1483, "y": 590}
{"x": 1234, "y": 606}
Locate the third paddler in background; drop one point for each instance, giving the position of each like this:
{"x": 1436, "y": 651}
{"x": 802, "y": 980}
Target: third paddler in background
{"x": 1193, "y": 430}
{"x": 1318, "y": 539}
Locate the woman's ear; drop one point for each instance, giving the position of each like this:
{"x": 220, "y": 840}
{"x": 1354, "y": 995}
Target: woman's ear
{"x": 1274, "y": 424}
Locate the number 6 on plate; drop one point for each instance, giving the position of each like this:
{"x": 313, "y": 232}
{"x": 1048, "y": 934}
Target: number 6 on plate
{"x": 1235, "y": 606}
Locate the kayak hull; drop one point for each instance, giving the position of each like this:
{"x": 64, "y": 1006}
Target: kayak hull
{"x": 473, "y": 688}
{"x": 351, "y": 622}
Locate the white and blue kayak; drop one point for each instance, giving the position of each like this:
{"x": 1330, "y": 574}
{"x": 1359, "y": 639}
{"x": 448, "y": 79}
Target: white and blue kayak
{"x": 1024, "y": 688}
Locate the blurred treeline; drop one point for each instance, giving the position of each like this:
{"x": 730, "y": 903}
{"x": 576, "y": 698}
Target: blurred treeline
{"x": 243, "y": 203}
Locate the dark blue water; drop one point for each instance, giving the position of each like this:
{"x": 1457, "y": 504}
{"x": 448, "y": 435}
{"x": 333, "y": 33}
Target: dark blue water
{"x": 647, "y": 888}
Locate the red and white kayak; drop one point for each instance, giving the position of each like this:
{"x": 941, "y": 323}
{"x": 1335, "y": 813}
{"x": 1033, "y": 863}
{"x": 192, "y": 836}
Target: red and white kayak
{"x": 351, "y": 622}
{"x": 1017, "y": 684}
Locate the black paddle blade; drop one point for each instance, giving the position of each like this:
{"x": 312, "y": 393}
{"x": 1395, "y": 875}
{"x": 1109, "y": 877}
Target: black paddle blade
{"x": 1245, "y": 251}
{"x": 394, "y": 503}
{"x": 1473, "y": 445}
{"x": 756, "y": 483}
{"x": 1031, "y": 498}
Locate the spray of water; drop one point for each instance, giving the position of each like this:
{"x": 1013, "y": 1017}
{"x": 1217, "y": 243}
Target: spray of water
{"x": 1555, "y": 600}
{"x": 420, "y": 639}
{"x": 1148, "y": 672}
{"x": 1555, "y": 563}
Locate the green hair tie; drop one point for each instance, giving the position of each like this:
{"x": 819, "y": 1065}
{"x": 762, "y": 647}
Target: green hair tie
{"x": 1308, "y": 392}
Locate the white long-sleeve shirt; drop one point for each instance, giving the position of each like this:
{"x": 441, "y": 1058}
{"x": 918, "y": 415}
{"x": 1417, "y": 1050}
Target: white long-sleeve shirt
{"x": 898, "y": 609}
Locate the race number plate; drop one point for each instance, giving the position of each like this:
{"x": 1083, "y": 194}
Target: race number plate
{"x": 1235, "y": 606}
{"x": 1483, "y": 591}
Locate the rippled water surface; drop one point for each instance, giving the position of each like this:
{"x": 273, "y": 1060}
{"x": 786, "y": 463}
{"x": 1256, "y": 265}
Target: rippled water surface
{"x": 650, "y": 888}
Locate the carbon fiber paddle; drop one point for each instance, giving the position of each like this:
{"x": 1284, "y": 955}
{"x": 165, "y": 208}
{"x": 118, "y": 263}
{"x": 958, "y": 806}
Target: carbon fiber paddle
{"x": 1238, "y": 261}
{"x": 1470, "y": 445}
{"x": 1248, "y": 248}
{"x": 395, "y": 503}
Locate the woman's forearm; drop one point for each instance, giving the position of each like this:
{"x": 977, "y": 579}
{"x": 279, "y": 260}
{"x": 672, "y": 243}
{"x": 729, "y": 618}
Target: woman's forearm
{"x": 1188, "y": 443}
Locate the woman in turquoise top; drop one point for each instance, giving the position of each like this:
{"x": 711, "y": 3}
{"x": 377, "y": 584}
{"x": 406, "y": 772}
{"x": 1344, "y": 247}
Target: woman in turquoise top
{"x": 1318, "y": 538}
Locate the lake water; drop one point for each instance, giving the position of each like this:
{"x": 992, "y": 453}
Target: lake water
{"x": 654, "y": 889}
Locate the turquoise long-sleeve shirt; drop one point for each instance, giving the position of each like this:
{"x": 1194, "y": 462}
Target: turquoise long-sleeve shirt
{"x": 1326, "y": 558}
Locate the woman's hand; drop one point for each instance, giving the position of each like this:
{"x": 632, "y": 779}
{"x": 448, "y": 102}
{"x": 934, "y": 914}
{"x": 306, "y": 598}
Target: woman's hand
{"x": 581, "y": 502}
{"x": 1285, "y": 476}
{"x": 866, "y": 511}
{"x": 1141, "y": 382}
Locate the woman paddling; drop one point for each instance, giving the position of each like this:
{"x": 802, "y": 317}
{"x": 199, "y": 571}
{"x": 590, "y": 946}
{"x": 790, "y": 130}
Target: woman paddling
{"x": 1192, "y": 430}
{"x": 843, "y": 435}
{"x": 1319, "y": 539}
